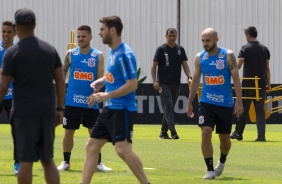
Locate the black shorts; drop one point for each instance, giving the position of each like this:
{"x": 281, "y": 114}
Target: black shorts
{"x": 74, "y": 116}
{"x": 211, "y": 115}
{"x": 114, "y": 125}
{"x": 34, "y": 137}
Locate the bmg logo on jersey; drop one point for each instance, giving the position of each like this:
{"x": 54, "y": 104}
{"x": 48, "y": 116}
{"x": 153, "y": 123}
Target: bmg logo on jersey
{"x": 88, "y": 76}
{"x": 214, "y": 80}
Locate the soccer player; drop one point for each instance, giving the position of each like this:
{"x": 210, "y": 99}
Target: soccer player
{"x": 8, "y": 33}
{"x": 86, "y": 64}
{"x": 115, "y": 123}
{"x": 217, "y": 65}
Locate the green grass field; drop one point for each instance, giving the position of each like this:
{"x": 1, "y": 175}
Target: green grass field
{"x": 166, "y": 161}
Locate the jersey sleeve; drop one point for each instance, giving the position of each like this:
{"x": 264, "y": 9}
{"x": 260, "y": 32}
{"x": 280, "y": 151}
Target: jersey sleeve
{"x": 242, "y": 53}
{"x": 157, "y": 57}
{"x": 128, "y": 66}
{"x": 183, "y": 55}
{"x": 58, "y": 60}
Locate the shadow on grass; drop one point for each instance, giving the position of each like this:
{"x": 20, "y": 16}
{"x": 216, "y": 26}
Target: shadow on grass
{"x": 264, "y": 142}
{"x": 231, "y": 179}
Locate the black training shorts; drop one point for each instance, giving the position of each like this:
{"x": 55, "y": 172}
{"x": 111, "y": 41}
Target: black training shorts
{"x": 114, "y": 125}
{"x": 34, "y": 137}
{"x": 74, "y": 116}
{"x": 211, "y": 115}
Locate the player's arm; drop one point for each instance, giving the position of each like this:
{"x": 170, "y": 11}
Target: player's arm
{"x": 67, "y": 62}
{"x": 4, "y": 85}
{"x": 187, "y": 71}
{"x": 60, "y": 86}
{"x": 194, "y": 86}
{"x": 100, "y": 65}
{"x": 196, "y": 79}
{"x": 240, "y": 62}
{"x": 268, "y": 75}
{"x": 233, "y": 67}
{"x": 100, "y": 81}
{"x": 154, "y": 75}
{"x": 130, "y": 86}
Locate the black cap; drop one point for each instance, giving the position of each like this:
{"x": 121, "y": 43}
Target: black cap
{"x": 25, "y": 16}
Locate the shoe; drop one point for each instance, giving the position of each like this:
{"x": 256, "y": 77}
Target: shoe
{"x": 64, "y": 166}
{"x": 16, "y": 167}
{"x": 219, "y": 168}
{"x": 102, "y": 167}
{"x": 234, "y": 135}
{"x": 261, "y": 139}
{"x": 175, "y": 136}
{"x": 164, "y": 136}
{"x": 209, "y": 175}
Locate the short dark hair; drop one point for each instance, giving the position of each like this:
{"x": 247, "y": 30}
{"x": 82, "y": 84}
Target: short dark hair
{"x": 113, "y": 21}
{"x": 85, "y": 28}
{"x": 9, "y": 23}
{"x": 252, "y": 31}
{"x": 171, "y": 30}
{"x": 24, "y": 16}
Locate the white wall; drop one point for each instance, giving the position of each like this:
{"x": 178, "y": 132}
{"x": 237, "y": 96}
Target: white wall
{"x": 145, "y": 22}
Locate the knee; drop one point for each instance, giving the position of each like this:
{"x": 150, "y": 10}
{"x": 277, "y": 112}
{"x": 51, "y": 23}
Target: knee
{"x": 120, "y": 152}
{"x": 69, "y": 134}
{"x": 91, "y": 147}
{"x": 206, "y": 131}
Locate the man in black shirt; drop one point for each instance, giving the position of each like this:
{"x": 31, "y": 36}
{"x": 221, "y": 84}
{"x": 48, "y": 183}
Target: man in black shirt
{"x": 169, "y": 58}
{"x": 33, "y": 64}
{"x": 255, "y": 57}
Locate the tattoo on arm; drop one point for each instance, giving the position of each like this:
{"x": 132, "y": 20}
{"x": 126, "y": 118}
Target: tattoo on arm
{"x": 66, "y": 63}
{"x": 233, "y": 63}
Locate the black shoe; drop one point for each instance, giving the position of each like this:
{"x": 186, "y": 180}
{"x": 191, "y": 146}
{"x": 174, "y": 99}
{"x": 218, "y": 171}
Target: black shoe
{"x": 175, "y": 136}
{"x": 261, "y": 139}
{"x": 164, "y": 136}
{"x": 234, "y": 135}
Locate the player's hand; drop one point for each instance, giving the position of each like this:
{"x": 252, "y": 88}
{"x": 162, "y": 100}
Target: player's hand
{"x": 97, "y": 97}
{"x": 59, "y": 118}
{"x": 189, "y": 81}
{"x": 97, "y": 85}
{"x": 156, "y": 86}
{"x": 238, "y": 108}
{"x": 268, "y": 88}
{"x": 189, "y": 111}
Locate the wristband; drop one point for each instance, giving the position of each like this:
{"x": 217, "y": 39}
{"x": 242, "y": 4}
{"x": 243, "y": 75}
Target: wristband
{"x": 189, "y": 78}
{"x": 60, "y": 109}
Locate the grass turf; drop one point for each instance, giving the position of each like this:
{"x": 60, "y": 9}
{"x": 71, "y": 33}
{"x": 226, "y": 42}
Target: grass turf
{"x": 165, "y": 161}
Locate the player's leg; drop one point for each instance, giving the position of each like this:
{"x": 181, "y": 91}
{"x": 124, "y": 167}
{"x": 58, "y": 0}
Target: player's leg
{"x": 25, "y": 172}
{"x": 46, "y": 150}
{"x": 223, "y": 128}
{"x": 51, "y": 172}
{"x": 89, "y": 118}
{"x": 27, "y": 135}
{"x": 124, "y": 151}
{"x": 71, "y": 122}
{"x": 206, "y": 123}
{"x": 260, "y": 116}
{"x": 93, "y": 148}
{"x": 121, "y": 123}
{"x": 99, "y": 136}
{"x": 167, "y": 104}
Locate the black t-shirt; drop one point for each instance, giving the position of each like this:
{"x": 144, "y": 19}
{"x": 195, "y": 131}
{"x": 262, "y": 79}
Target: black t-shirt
{"x": 31, "y": 63}
{"x": 255, "y": 55}
{"x": 169, "y": 63}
